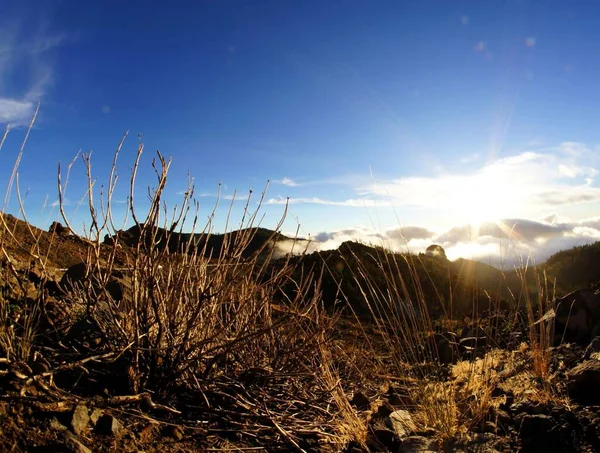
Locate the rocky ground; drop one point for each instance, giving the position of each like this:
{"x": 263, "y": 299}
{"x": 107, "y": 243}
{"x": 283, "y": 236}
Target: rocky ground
{"x": 72, "y": 392}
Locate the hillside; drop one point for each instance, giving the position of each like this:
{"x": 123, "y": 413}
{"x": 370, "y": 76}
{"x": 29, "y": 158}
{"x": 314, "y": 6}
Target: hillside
{"x": 449, "y": 288}
{"x": 578, "y": 267}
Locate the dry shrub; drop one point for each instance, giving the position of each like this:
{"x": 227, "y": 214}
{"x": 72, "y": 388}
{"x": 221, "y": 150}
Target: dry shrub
{"x": 189, "y": 316}
{"x": 20, "y": 302}
{"x": 190, "y": 313}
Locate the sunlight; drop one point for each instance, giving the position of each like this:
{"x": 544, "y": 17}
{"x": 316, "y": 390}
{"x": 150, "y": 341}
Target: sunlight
{"x": 484, "y": 197}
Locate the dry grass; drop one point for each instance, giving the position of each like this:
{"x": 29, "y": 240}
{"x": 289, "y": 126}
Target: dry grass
{"x": 191, "y": 319}
{"x": 540, "y": 317}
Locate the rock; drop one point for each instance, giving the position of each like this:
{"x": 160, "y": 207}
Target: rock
{"x": 115, "y": 288}
{"x": 593, "y": 350}
{"x": 108, "y": 425}
{"x": 503, "y": 419}
{"x": 444, "y": 349}
{"x": 539, "y": 433}
{"x": 383, "y": 438}
{"x": 76, "y": 275}
{"x": 486, "y": 443}
{"x": 73, "y": 276}
{"x": 80, "y": 419}
{"x": 58, "y": 228}
{"x": 149, "y": 433}
{"x": 56, "y": 425}
{"x": 417, "y": 444}
{"x": 401, "y": 423}
{"x": 85, "y": 332}
{"x": 435, "y": 250}
{"x": 473, "y": 342}
{"x": 360, "y": 401}
{"x": 576, "y": 315}
{"x": 73, "y": 445}
{"x": 95, "y": 416}
{"x": 473, "y": 332}
{"x": 174, "y": 432}
{"x": 583, "y": 382}
{"x": 383, "y": 410}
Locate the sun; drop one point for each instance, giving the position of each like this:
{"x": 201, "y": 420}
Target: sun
{"x": 483, "y": 198}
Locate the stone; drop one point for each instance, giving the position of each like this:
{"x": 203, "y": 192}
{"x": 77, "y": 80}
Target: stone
{"x": 108, "y": 425}
{"x": 583, "y": 382}
{"x": 383, "y": 410}
{"x": 360, "y": 401}
{"x": 383, "y": 438}
{"x": 56, "y": 425}
{"x": 73, "y": 276}
{"x": 486, "y": 443}
{"x": 576, "y": 315}
{"x": 539, "y": 433}
{"x": 417, "y": 444}
{"x": 401, "y": 423}
{"x": 80, "y": 419}
{"x": 73, "y": 445}
{"x": 445, "y": 350}
{"x": 173, "y": 431}
{"x": 95, "y": 415}
{"x": 76, "y": 275}
{"x": 473, "y": 342}
{"x": 593, "y": 350}
{"x": 149, "y": 433}
{"x": 59, "y": 229}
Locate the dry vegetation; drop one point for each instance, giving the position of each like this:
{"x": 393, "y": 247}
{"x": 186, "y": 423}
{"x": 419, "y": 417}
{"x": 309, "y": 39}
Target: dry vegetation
{"x": 215, "y": 346}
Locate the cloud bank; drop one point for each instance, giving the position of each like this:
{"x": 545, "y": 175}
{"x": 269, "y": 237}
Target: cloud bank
{"x": 504, "y": 243}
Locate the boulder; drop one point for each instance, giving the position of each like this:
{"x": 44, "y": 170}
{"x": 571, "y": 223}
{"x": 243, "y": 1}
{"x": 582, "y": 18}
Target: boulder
{"x": 473, "y": 342}
{"x": 593, "y": 349}
{"x": 576, "y": 315}
{"x": 59, "y": 229}
{"x": 360, "y": 401}
{"x": 108, "y": 426}
{"x": 539, "y": 433}
{"x": 74, "y": 445}
{"x": 76, "y": 276}
{"x": 80, "y": 419}
{"x": 418, "y": 444}
{"x": 401, "y": 423}
{"x": 445, "y": 350}
{"x": 583, "y": 382}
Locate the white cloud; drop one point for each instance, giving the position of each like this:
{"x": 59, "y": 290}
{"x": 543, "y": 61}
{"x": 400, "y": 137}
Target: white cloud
{"x": 286, "y": 182}
{"x": 359, "y": 202}
{"x": 24, "y": 56}
{"x": 524, "y": 184}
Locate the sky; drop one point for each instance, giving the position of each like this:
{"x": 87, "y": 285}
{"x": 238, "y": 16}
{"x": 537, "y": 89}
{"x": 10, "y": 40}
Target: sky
{"x": 473, "y": 125}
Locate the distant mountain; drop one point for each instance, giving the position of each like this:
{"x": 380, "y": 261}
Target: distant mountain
{"x": 210, "y": 245}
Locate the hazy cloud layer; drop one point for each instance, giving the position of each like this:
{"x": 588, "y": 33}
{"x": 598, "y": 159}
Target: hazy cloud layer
{"x": 503, "y": 244}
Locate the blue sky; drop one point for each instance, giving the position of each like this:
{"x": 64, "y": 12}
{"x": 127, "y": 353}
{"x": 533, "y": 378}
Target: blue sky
{"x": 370, "y": 116}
